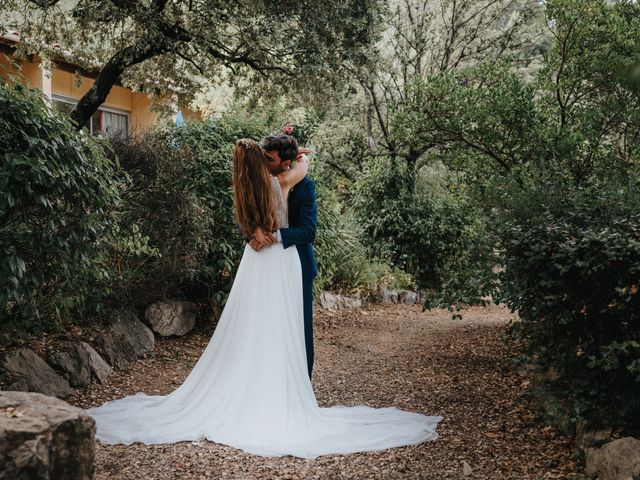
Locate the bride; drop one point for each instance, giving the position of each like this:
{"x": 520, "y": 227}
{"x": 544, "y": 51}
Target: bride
{"x": 250, "y": 389}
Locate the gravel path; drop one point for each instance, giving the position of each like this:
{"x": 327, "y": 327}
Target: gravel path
{"x": 379, "y": 356}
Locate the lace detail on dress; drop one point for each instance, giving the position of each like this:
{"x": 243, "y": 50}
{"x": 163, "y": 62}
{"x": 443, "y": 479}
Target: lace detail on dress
{"x": 281, "y": 204}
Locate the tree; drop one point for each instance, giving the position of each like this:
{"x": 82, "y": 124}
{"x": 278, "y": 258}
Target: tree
{"x": 428, "y": 38}
{"x": 555, "y": 164}
{"x": 580, "y": 115}
{"x": 169, "y": 48}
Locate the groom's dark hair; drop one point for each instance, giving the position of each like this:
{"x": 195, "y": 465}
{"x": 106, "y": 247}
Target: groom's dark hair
{"x": 285, "y": 145}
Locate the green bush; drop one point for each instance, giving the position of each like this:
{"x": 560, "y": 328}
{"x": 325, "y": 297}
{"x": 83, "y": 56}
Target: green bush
{"x": 433, "y": 232}
{"x": 180, "y": 200}
{"x": 57, "y": 189}
{"x": 572, "y": 271}
{"x": 343, "y": 261}
{"x": 554, "y": 162}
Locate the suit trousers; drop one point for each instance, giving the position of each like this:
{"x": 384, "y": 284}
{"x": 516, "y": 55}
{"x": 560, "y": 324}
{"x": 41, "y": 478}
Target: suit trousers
{"x": 307, "y": 297}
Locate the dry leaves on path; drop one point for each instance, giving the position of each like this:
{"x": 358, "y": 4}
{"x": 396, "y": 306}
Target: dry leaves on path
{"x": 379, "y": 356}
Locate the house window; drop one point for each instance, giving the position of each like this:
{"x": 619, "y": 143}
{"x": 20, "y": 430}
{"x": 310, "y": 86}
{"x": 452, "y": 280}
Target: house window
{"x": 105, "y": 121}
{"x": 113, "y": 123}
{"x": 63, "y": 106}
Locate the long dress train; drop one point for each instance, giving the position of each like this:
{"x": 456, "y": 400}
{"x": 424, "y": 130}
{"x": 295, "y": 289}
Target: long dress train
{"x": 250, "y": 388}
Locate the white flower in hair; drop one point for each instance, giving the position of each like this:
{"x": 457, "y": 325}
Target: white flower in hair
{"x": 246, "y": 144}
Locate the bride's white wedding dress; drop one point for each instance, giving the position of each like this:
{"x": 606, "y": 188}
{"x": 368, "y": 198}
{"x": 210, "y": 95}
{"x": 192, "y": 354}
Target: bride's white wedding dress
{"x": 250, "y": 388}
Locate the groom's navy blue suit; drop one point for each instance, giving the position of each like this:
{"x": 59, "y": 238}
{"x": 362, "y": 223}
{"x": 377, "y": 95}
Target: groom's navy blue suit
{"x": 303, "y": 217}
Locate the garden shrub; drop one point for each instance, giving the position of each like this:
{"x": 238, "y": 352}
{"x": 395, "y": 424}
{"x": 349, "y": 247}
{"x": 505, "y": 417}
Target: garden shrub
{"x": 343, "y": 260}
{"x": 57, "y": 190}
{"x": 431, "y": 232}
{"x": 554, "y": 163}
{"x": 180, "y": 199}
{"x": 572, "y": 271}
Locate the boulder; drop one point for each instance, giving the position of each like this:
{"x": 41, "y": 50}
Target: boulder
{"x": 32, "y": 374}
{"x": 100, "y": 369}
{"x": 616, "y": 460}
{"x": 328, "y": 301}
{"x": 331, "y": 301}
{"x": 408, "y": 297}
{"x": 43, "y": 437}
{"x": 388, "y": 296}
{"x": 172, "y": 317}
{"x": 21, "y": 385}
{"x": 349, "y": 302}
{"x": 79, "y": 363}
{"x": 126, "y": 339}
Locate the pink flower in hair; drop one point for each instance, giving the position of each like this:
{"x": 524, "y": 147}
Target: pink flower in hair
{"x": 288, "y": 129}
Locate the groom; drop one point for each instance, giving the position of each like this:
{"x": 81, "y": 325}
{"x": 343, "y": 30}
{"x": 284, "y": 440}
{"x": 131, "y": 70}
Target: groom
{"x": 281, "y": 150}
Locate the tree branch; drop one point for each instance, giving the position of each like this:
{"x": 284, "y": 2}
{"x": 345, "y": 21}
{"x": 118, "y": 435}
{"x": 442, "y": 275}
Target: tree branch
{"x": 191, "y": 61}
{"x": 110, "y": 74}
{"x": 44, "y": 4}
{"x": 335, "y": 165}
{"x": 246, "y": 59}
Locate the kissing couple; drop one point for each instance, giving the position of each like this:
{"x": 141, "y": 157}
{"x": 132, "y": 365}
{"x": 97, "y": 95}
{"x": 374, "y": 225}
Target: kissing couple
{"x": 251, "y": 388}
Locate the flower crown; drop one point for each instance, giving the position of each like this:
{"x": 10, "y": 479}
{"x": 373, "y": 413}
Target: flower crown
{"x": 245, "y": 143}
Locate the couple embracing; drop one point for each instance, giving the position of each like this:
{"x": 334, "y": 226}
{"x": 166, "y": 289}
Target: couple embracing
{"x": 251, "y": 388}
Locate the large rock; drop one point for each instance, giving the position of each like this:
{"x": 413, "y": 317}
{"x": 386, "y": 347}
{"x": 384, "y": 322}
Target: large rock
{"x": 349, "y": 302}
{"x": 616, "y": 460}
{"x": 100, "y": 369}
{"x": 328, "y": 301}
{"x": 331, "y": 301}
{"x": 79, "y": 363}
{"x": 171, "y": 317}
{"x": 32, "y": 374}
{"x": 44, "y": 438}
{"x": 126, "y": 339}
{"x": 408, "y": 297}
{"x": 388, "y": 296}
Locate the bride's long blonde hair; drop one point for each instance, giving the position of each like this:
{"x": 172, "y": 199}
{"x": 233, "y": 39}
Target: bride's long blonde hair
{"x": 253, "y": 196}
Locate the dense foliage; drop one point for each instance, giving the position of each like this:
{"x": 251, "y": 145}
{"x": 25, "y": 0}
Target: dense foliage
{"x": 430, "y": 231}
{"x": 304, "y": 46}
{"x": 57, "y": 190}
{"x": 554, "y": 163}
{"x": 344, "y": 261}
{"x": 572, "y": 271}
{"x": 179, "y": 197}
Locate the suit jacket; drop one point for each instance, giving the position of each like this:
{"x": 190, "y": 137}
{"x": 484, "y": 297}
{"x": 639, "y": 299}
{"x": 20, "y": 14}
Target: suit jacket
{"x": 303, "y": 219}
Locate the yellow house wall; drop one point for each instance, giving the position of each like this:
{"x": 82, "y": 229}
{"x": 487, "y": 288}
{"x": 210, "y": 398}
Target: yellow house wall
{"x": 32, "y": 73}
{"x": 191, "y": 115}
{"x": 141, "y": 115}
{"x": 135, "y": 103}
{"x": 65, "y": 84}
{"x": 29, "y": 70}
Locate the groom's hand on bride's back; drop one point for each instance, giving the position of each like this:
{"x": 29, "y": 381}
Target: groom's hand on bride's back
{"x": 261, "y": 239}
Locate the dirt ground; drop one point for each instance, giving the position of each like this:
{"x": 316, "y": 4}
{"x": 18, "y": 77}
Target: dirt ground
{"x": 378, "y": 356}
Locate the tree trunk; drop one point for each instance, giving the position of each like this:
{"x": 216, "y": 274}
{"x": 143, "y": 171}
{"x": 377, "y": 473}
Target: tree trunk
{"x": 109, "y": 75}
{"x": 369, "y": 122}
{"x": 412, "y": 160}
